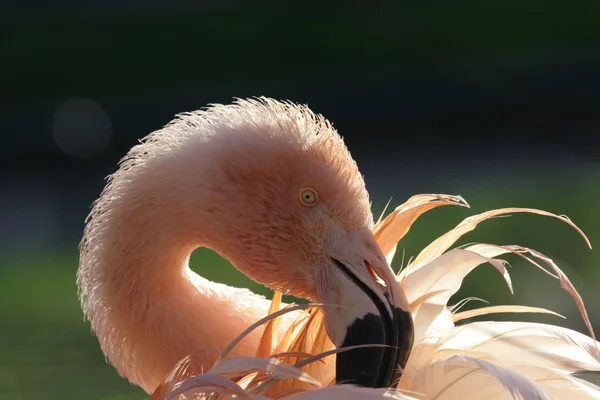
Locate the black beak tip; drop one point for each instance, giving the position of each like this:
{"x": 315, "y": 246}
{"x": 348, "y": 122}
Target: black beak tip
{"x": 361, "y": 366}
{"x": 376, "y": 366}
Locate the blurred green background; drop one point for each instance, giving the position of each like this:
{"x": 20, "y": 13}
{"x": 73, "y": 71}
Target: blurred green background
{"x": 495, "y": 101}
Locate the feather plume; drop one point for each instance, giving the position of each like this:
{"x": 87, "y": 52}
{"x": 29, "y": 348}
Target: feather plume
{"x": 269, "y": 338}
{"x": 460, "y": 377}
{"x": 393, "y": 228}
{"x": 440, "y": 245}
{"x": 521, "y": 343}
{"x": 501, "y": 309}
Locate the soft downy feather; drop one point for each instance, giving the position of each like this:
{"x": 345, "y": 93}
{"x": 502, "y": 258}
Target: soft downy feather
{"x": 466, "y": 377}
{"x": 480, "y": 360}
{"x": 474, "y": 378}
{"x": 513, "y": 343}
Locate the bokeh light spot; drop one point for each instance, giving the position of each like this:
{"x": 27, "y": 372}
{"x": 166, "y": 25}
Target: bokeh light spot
{"x": 81, "y": 128}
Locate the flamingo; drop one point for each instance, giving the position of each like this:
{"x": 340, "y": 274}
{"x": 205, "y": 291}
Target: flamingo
{"x": 271, "y": 187}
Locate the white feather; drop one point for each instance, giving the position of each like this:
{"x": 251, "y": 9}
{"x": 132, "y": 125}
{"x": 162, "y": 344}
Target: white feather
{"x": 464, "y": 377}
{"x": 444, "y": 275}
{"x": 521, "y": 343}
{"x": 447, "y": 273}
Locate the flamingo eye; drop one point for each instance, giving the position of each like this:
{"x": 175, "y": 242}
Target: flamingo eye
{"x": 308, "y": 197}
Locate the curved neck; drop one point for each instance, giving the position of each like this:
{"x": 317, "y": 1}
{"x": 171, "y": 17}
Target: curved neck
{"x": 146, "y": 306}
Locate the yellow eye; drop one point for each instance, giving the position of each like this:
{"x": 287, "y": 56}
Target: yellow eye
{"x": 308, "y": 197}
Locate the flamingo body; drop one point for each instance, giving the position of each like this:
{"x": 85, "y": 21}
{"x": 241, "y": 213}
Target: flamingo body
{"x": 271, "y": 187}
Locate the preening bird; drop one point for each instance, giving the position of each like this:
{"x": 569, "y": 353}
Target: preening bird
{"x": 271, "y": 187}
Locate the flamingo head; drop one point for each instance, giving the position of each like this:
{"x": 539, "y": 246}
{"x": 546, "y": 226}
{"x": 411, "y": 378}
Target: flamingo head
{"x": 289, "y": 208}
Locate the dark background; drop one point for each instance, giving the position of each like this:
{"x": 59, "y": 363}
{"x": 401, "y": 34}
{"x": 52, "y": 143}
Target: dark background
{"x": 496, "y": 101}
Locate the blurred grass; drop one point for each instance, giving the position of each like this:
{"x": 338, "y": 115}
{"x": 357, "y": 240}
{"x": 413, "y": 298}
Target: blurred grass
{"x": 47, "y": 350}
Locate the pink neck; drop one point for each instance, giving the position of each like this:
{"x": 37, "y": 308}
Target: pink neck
{"x": 148, "y": 308}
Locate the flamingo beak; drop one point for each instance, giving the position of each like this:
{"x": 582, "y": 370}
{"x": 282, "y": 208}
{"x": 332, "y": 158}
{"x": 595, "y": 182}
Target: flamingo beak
{"x": 372, "y": 309}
